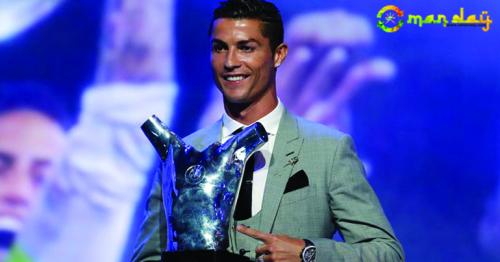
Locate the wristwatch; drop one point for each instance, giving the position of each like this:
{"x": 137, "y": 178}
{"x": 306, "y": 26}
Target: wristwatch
{"x": 308, "y": 254}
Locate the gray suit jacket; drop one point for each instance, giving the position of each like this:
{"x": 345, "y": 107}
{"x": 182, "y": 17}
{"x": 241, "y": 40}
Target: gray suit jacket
{"x": 338, "y": 197}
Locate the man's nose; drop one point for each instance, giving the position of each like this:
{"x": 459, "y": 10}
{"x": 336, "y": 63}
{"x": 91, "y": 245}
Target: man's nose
{"x": 232, "y": 61}
{"x": 18, "y": 188}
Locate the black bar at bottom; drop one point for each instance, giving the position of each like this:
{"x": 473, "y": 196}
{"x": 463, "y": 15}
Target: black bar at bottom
{"x": 202, "y": 256}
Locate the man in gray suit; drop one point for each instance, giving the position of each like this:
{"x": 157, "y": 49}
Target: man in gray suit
{"x": 307, "y": 182}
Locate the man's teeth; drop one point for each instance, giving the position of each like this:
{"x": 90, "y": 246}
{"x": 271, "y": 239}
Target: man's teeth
{"x": 235, "y": 78}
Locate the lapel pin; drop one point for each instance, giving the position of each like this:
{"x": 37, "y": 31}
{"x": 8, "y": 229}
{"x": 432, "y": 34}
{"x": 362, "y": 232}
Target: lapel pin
{"x": 292, "y": 161}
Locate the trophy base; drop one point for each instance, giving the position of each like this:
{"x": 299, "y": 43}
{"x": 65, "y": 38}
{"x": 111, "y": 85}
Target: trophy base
{"x": 202, "y": 256}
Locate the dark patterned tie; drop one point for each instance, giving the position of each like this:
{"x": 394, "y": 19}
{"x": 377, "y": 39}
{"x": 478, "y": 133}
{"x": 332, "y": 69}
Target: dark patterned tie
{"x": 244, "y": 205}
{"x": 243, "y": 208}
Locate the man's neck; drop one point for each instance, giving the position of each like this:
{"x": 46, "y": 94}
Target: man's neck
{"x": 251, "y": 112}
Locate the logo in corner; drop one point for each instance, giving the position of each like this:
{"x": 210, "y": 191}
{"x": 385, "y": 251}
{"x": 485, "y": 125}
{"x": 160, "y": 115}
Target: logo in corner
{"x": 390, "y": 18}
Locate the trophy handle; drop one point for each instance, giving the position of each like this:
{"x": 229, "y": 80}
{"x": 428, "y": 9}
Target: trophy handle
{"x": 161, "y": 137}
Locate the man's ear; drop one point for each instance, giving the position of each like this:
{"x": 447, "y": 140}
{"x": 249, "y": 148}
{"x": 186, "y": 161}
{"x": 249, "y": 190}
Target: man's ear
{"x": 280, "y": 54}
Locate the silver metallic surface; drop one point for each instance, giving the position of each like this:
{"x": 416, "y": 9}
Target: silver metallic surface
{"x": 199, "y": 188}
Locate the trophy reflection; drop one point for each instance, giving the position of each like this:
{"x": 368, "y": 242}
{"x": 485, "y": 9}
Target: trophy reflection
{"x": 199, "y": 187}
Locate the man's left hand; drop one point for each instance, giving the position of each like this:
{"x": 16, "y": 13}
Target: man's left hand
{"x": 275, "y": 247}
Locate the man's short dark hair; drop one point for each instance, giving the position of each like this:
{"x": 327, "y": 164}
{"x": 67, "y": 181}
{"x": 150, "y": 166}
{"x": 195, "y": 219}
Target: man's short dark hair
{"x": 33, "y": 96}
{"x": 261, "y": 10}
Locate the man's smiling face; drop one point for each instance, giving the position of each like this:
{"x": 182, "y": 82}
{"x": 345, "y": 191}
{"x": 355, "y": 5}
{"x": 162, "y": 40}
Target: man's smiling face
{"x": 242, "y": 60}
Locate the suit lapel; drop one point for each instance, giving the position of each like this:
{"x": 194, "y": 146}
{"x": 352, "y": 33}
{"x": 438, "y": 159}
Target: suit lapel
{"x": 285, "y": 154}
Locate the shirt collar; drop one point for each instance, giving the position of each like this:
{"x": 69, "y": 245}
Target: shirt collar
{"x": 270, "y": 121}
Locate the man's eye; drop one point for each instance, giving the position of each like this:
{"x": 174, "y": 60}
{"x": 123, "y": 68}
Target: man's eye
{"x": 246, "y": 48}
{"x": 218, "y": 48}
{"x": 40, "y": 174}
{"x": 6, "y": 162}
{"x": 38, "y": 178}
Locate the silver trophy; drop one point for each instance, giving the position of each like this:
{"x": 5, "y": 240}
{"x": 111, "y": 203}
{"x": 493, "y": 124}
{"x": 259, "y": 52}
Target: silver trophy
{"x": 199, "y": 188}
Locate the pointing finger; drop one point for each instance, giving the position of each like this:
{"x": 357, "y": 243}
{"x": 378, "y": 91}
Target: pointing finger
{"x": 253, "y": 233}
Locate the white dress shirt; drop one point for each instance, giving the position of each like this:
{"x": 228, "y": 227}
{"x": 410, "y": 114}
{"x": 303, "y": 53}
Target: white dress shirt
{"x": 271, "y": 123}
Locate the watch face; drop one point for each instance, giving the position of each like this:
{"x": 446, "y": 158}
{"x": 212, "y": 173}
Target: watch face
{"x": 309, "y": 254}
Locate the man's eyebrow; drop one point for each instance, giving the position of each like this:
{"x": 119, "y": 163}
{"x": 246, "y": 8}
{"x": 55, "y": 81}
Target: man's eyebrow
{"x": 41, "y": 162}
{"x": 241, "y": 42}
{"x": 217, "y": 41}
{"x": 251, "y": 40}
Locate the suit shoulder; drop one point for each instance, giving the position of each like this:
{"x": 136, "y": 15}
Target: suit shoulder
{"x": 314, "y": 130}
{"x": 321, "y": 138}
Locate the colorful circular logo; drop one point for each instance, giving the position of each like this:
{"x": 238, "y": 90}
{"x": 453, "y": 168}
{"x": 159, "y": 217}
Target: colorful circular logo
{"x": 390, "y": 18}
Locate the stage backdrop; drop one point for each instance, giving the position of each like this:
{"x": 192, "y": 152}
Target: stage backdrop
{"x": 422, "y": 107}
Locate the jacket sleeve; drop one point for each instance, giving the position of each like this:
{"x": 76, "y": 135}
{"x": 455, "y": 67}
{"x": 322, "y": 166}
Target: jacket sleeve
{"x": 356, "y": 210}
{"x": 153, "y": 236}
